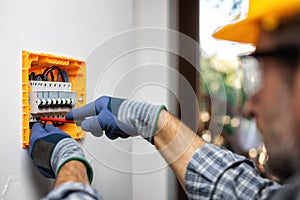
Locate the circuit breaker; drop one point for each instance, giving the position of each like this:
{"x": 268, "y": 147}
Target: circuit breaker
{"x": 51, "y": 86}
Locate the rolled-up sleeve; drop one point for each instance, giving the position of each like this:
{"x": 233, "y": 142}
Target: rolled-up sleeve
{"x": 73, "y": 191}
{"x": 216, "y": 173}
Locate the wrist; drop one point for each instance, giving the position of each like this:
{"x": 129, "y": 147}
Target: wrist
{"x": 72, "y": 171}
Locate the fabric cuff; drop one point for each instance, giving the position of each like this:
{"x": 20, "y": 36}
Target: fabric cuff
{"x": 140, "y": 115}
{"x": 151, "y": 139}
{"x": 73, "y": 190}
{"x": 66, "y": 150}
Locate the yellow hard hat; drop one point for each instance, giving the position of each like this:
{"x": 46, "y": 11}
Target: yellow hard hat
{"x": 265, "y": 13}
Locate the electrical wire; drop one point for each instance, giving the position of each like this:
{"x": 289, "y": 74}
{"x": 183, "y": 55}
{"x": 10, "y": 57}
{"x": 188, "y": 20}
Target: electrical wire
{"x": 61, "y": 75}
{"x": 31, "y": 76}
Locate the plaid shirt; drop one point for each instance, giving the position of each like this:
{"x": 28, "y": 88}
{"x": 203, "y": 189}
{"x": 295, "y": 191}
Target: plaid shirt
{"x": 73, "y": 191}
{"x": 212, "y": 173}
{"x": 215, "y": 173}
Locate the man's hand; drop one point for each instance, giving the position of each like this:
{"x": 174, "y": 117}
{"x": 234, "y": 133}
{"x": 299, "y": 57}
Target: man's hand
{"x": 118, "y": 117}
{"x": 51, "y": 148}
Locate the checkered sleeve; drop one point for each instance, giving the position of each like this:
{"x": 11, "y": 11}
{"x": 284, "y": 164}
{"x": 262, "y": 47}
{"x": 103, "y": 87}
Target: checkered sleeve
{"x": 216, "y": 173}
{"x": 74, "y": 191}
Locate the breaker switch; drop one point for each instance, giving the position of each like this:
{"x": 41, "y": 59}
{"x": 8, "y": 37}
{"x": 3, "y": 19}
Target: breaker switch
{"x": 44, "y": 102}
{"x": 68, "y": 101}
{"x": 53, "y": 101}
{"x": 49, "y": 102}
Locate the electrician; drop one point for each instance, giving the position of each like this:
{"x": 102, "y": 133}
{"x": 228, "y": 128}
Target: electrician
{"x": 204, "y": 170}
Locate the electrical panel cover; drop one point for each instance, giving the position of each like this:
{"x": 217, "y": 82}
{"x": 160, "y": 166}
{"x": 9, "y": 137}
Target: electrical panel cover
{"x": 51, "y": 86}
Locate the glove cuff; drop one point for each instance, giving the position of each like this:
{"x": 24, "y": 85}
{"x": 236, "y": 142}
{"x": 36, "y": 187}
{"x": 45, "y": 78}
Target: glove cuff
{"x": 142, "y": 116}
{"x": 67, "y": 150}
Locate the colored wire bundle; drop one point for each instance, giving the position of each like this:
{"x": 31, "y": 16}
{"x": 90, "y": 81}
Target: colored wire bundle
{"x": 61, "y": 75}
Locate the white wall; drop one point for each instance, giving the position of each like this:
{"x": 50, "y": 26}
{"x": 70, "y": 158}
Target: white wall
{"x": 153, "y": 179}
{"x": 95, "y": 31}
{"x": 65, "y": 27}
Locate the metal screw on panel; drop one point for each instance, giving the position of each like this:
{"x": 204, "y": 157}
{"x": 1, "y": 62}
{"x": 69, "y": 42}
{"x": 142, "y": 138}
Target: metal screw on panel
{"x": 80, "y": 99}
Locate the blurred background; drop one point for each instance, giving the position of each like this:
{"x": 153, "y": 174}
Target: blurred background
{"x": 239, "y": 134}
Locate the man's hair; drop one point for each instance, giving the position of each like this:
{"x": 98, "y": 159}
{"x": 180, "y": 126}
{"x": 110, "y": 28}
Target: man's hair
{"x": 287, "y": 33}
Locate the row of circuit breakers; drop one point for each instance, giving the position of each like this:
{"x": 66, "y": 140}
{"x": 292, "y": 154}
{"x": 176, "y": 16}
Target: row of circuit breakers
{"x": 51, "y": 86}
{"x": 51, "y": 99}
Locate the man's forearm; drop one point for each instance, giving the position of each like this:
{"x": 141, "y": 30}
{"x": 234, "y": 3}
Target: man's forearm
{"x": 73, "y": 171}
{"x": 176, "y": 143}
{"x": 72, "y": 182}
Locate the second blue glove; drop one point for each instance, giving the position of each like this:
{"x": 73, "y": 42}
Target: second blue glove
{"x": 101, "y": 115}
{"x": 118, "y": 117}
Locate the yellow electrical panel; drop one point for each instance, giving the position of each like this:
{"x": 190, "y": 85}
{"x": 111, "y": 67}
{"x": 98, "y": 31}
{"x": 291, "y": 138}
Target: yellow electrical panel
{"x": 51, "y": 86}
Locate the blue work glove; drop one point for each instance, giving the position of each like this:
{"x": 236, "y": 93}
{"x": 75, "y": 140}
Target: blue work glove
{"x": 50, "y": 148}
{"x": 118, "y": 117}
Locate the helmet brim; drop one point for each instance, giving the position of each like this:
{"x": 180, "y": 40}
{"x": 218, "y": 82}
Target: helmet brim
{"x": 247, "y": 30}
